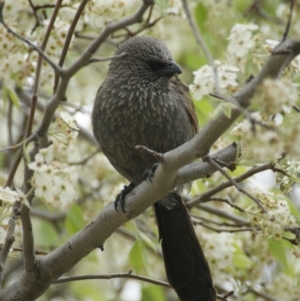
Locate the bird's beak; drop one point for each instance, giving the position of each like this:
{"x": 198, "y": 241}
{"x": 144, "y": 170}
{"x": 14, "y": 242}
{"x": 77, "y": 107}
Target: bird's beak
{"x": 170, "y": 69}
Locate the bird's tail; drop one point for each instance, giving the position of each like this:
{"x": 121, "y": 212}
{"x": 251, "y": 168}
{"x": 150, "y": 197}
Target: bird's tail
{"x": 186, "y": 267}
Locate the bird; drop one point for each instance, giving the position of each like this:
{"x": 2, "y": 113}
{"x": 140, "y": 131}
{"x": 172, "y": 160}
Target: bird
{"x": 143, "y": 102}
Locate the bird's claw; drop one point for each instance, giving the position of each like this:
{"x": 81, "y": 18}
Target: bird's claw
{"x": 149, "y": 173}
{"x": 120, "y": 199}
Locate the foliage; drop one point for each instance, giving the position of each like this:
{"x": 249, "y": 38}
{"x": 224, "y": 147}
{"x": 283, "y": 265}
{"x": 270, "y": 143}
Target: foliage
{"x": 65, "y": 180}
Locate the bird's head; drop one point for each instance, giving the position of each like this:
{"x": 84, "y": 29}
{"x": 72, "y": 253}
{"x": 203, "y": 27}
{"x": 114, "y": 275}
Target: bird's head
{"x": 144, "y": 59}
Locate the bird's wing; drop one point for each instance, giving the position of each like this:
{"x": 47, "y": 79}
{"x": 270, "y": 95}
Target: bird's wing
{"x": 189, "y": 105}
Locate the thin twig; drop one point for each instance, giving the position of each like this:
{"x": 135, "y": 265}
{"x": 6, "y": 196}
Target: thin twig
{"x": 68, "y": 40}
{"x": 104, "y": 59}
{"x": 15, "y": 147}
{"x": 147, "y": 24}
{"x": 9, "y": 129}
{"x": 235, "y": 184}
{"x": 85, "y": 37}
{"x": 225, "y": 297}
{"x": 84, "y": 161}
{"x": 223, "y": 214}
{"x": 221, "y": 224}
{"x": 260, "y": 294}
{"x": 36, "y": 252}
{"x": 111, "y": 276}
{"x": 296, "y": 108}
{"x": 222, "y": 230}
{"x": 9, "y": 240}
{"x": 257, "y": 6}
{"x": 223, "y": 200}
{"x": 157, "y": 156}
{"x": 37, "y": 20}
{"x": 244, "y": 112}
{"x": 13, "y": 169}
{"x": 208, "y": 194}
{"x": 201, "y": 42}
{"x": 45, "y": 6}
{"x": 288, "y": 24}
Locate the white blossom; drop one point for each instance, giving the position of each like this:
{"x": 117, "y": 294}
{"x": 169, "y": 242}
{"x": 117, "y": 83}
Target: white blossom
{"x": 276, "y": 95}
{"x": 241, "y": 39}
{"x": 242, "y": 128}
{"x": 204, "y": 80}
{"x": 174, "y": 7}
{"x": 7, "y": 195}
{"x": 64, "y": 129}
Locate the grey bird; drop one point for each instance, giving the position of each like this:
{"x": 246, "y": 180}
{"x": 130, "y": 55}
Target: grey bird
{"x": 142, "y": 102}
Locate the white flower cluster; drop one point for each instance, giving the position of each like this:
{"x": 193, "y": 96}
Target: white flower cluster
{"x": 64, "y": 129}
{"x": 8, "y": 196}
{"x": 279, "y": 217}
{"x": 261, "y": 145}
{"x": 7, "y": 199}
{"x": 243, "y": 128}
{"x": 241, "y": 40}
{"x": 204, "y": 80}
{"x": 53, "y": 177}
{"x": 275, "y": 96}
{"x": 175, "y": 7}
{"x": 286, "y": 182}
{"x": 102, "y": 12}
{"x": 18, "y": 63}
{"x": 14, "y": 65}
{"x": 219, "y": 254}
{"x": 53, "y": 181}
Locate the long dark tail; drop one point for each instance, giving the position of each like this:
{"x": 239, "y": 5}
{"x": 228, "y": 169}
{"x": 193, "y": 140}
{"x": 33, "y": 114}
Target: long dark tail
{"x": 186, "y": 267}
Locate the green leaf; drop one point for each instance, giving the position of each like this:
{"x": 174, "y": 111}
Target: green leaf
{"x": 163, "y": 4}
{"x": 74, "y": 220}
{"x": 5, "y": 92}
{"x": 227, "y": 108}
{"x": 147, "y": 241}
{"x": 293, "y": 209}
{"x": 10, "y": 94}
{"x": 14, "y": 97}
{"x": 46, "y": 235}
{"x": 240, "y": 260}
{"x": 204, "y": 110}
{"x": 25, "y": 153}
{"x": 136, "y": 256}
{"x": 277, "y": 250}
{"x": 153, "y": 292}
{"x": 201, "y": 15}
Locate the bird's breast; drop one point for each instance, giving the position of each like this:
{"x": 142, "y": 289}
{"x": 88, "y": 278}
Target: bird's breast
{"x": 130, "y": 117}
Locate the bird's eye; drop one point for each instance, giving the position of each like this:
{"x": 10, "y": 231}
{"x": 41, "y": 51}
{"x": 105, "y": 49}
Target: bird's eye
{"x": 156, "y": 65}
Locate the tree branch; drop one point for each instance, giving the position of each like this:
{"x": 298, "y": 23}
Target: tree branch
{"x": 9, "y": 240}
{"x": 208, "y": 194}
{"x": 235, "y": 184}
{"x": 111, "y": 276}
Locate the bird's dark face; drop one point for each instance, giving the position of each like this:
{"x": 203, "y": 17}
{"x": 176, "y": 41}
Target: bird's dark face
{"x": 147, "y": 60}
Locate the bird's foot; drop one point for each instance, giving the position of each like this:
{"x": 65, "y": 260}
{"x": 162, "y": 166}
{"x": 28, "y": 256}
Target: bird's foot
{"x": 120, "y": 199}
{"x": 149, "y": 173}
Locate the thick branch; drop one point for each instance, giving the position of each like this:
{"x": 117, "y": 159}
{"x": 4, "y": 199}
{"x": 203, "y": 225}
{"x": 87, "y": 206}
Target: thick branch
{"x": 199, "y": 170}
